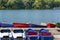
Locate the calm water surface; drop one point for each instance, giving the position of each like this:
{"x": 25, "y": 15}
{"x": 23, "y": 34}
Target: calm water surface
{"x": 32, "y": 16}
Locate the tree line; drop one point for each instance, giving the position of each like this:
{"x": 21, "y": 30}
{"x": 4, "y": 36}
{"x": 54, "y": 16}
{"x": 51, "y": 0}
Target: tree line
{"x": 29, "y": 4}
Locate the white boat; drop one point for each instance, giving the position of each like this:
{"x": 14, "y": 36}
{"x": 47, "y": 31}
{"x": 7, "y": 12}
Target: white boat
{"x": 5, "y": 33}
{"x": 18, "y": 33}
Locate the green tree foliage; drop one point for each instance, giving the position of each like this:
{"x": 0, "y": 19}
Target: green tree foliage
{"x": 37, "y": 4}
{"x": 14, "y": 4}
{"x": 57, "y": 3}
{"x": 29, "y": 4}
{"x": 58, "y": 25}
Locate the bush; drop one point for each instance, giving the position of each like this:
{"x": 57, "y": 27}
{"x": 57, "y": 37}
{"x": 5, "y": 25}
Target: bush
{"x": 58, "y": 25}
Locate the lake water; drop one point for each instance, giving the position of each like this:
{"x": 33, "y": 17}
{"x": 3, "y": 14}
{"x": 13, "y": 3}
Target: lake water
{"x": 32, "y": 16}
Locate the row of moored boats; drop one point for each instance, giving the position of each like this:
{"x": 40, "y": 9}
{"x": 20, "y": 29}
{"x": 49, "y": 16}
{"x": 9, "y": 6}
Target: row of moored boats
{"x": 30, "y": 25}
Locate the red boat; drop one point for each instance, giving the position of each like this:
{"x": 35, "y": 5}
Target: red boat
{"x": 21, "y": 25}
{"x": 50, "y": 25}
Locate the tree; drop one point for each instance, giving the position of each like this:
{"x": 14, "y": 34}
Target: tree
{"x": 56, "y": 3}
{"x": 48, "y": 4}
{"x": 37, "y": 4}
{"x": 3, "y": 4}
{"x": 28, "y": 4}
{"x": 14, "y": 4}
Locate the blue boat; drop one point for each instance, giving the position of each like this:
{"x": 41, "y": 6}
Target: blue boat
{"x": 32, "y": 34}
